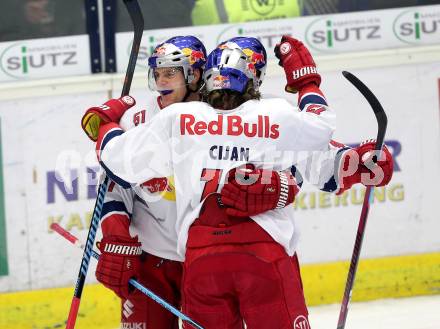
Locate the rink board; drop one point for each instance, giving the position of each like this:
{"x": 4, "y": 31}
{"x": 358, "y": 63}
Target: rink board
{"x": 323, "y": 35}
{"x": 24, "y": 60}
{"x": 323, "y": 284}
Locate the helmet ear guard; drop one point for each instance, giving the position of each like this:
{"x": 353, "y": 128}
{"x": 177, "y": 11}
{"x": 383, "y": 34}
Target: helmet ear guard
{"x": 190, "y": 75}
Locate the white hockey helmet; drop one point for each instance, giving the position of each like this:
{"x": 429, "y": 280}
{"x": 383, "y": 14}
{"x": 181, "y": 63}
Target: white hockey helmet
{"x": 229, "y": 69}
{"x": 255, "y": 51}
{"x": 184, "y": 53}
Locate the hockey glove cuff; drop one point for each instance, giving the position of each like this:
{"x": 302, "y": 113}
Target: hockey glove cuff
{"x": 252, "y": 191}
{"x": 118, "y": 263}
{"x": 110, "y": 111}
{"x": 356, "y": 166}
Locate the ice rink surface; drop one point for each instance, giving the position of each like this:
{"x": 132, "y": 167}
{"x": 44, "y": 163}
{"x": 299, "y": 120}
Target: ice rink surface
{"x": 403, "y": 313}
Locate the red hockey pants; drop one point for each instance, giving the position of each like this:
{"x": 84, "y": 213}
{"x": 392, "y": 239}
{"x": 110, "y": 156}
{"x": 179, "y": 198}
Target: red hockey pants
{"x": 163, "y": 277}
{"x": 239, "y": 274}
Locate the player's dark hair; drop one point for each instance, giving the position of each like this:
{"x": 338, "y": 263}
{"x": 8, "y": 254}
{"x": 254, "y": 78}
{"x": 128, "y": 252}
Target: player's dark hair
{"x": 225, "y": 99}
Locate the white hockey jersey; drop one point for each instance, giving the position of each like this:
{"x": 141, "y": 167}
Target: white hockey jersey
{"x": 198, "y": 145}
{"x": 152, "y": 216}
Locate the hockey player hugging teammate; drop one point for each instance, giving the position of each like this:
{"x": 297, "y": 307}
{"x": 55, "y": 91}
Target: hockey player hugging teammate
{"x": 226, "y": 155}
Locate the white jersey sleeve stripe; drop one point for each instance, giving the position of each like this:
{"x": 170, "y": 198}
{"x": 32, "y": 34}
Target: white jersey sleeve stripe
{"x": 108, "y": 215}
{"x": 108, "y": 136}
{"x": 311, "y": 98}
{"x": 112, "y": 207}
{"x": 115, "y": 178}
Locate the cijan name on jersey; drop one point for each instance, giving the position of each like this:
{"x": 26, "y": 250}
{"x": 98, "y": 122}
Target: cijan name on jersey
{"x": 198, "y": 145}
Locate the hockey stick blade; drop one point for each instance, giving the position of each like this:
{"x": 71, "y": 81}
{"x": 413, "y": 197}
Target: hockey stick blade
{"x": 75, "y": 241}
{"x": 377, "y": 108}
{"x": 382, "y": 121}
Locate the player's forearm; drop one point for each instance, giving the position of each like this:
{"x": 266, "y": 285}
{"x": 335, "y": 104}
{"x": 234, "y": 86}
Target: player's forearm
{"x": 116, "y": 223}
{"x": 117, "y": 211}
{"x": 311, "y": 96}
{"x": 323, "y": 167}
{"x": 133, "y": 157}
{"x": 109, "y": 150}
{"x": 318, "y": 170}
{"x": 316, "y": 129}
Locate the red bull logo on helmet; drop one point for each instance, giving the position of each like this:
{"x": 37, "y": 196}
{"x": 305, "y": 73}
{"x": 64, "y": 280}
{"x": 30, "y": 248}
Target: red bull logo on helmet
{"x": 160, "y": 50}
{"x": 255, "y": 58}
{"x": 220, "y": 81}
{"x": 252, "y": 68}
{"x": 194, "y": 56}
{"x": 221, "y": 78}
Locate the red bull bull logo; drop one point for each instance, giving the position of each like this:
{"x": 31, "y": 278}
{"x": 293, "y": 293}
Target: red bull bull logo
{"x": 160, "y": 51}
{"x": 194, "y": 56}
{"x": 221, "y": 78}
{"x": 157, "y": 185}
{"x": 220, "y": 81}
{"x": 255, "y": 58}
{"x": 251, "y": 68}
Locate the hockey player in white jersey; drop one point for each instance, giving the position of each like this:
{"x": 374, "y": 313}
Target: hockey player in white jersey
{"x": 210, "y": 184}
{"x": 331, "y": 173}
{"x": 174, "y": 70}
{"x": 185, "y": 141}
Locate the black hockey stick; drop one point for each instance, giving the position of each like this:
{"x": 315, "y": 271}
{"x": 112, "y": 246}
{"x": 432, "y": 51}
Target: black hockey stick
{"x": 382, "y": 121}
{"x": 75, "y": 241}
{"x": 138, "y": 25}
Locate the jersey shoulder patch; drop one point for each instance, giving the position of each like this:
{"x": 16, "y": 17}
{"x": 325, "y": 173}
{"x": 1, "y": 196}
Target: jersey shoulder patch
{"x": 315, "y": 108}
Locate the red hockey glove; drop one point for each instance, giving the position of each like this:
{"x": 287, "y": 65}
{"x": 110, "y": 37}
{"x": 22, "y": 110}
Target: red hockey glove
{"x": 298, "y": 64}
{"x": 110, "y": 111}
{"x": 354, "y": 170}
{"x": 118, "y": 263}
{"x": 253, "y": 191}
